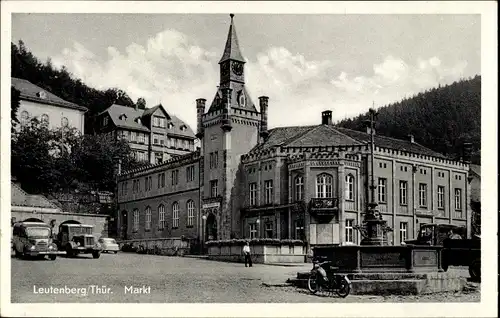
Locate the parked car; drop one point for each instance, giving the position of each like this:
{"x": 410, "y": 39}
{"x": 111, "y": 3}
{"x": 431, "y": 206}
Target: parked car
{"x": 109, "y": 245}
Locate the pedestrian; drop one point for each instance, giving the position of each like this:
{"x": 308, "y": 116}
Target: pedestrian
{"x": 246, "y": 252}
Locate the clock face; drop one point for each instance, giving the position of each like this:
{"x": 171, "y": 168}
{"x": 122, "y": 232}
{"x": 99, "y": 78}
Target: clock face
{"x": 238, "y": 69}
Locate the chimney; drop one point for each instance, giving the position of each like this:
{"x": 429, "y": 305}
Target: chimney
{"x": 200, "y": 110}
{"x": 263, "y": 103}
{"x": 326, "y": 117}
{"x": 411, "y": 138}
{"x": 467, "y": 152}
{"x": 226, "y": 111}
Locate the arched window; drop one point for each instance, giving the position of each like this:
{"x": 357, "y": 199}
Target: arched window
{"x": 349, "y": 187}
{"x": 148, "y": 218}
{"x": 136, "y": 220}
{"x": 190, "y": 213}
{"x": 24, "y": 117}
{"x": 161, "y": 217}
{"x": 44, "y": 119}
{"x": 324, "y": 186}
{"x": 175, "y": 215}
{"x": 299, "y": 188}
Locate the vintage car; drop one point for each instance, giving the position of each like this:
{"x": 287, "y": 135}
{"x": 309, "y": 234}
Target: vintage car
{"x": 76, "y": 238}
{"x": 108, "y": 245}
{"x": 33, "y": 238}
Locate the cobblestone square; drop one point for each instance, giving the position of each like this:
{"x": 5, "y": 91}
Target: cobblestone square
{"x": 135, "y": 278}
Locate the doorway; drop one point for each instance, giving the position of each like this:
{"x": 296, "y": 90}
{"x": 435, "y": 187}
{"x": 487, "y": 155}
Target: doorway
{"x": 211, "y": 228}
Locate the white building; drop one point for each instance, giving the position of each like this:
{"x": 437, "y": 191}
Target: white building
{"x": 47, "y": 107}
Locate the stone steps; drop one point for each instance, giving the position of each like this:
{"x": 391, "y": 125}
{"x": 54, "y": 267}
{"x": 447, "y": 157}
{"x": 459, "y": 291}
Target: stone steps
{"x": 394, "y": 283}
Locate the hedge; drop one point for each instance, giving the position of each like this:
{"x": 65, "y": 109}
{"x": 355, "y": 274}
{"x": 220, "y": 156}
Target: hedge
{"x": 266, "y": 241}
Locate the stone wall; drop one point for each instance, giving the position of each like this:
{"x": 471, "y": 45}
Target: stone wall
{"x": 262, "y": 254}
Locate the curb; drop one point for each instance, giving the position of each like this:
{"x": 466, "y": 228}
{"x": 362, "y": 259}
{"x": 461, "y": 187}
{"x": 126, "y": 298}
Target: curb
{"x": 277, "y": 284}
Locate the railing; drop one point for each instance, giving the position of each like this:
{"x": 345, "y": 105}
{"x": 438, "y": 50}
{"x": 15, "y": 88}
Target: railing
{"x": 324, "y": 203}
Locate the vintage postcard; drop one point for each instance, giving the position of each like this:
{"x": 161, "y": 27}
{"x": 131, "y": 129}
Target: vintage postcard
{"x": 242, "y": 159}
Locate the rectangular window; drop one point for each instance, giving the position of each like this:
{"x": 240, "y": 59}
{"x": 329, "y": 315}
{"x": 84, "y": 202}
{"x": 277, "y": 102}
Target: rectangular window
{"x": 403, "y": 229}
{"x": 124, "y": 188}
{"x": 422, "y": 194}
{"x": 268, "y": 186}
{"x": 458, "y": 199}
{"x": 148, "y": 219}
{"x": 136, "y": 220}
{"x": 175, "y": 215}
{"x": 299, "y": 188}
{"x": 148, "y": 183}
{"x": 403, "y": 192}
{"x": 161, "y": 217}
{"x": 190, "y": 213}
{"x": 133, "y": 136}
{"x": 214, "y": 188}
{"x": 382, "y": 190}
{"x": 299, "y": 229}
{"x": 269, "y": 232}
{"x": 175, "y": 177}
{"x": 349, "y": 231}
{"x": 253, "y": 194}
{"x": 190, "y": 173}
{"x": 440, "y": 197}
{"x": 159, "y": 122}
{"x": 214, "y": 158}
{"x": 253, "y": 231}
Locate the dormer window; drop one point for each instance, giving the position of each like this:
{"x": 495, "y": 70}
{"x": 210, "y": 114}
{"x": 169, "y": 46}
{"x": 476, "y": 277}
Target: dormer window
{"x": 123, "y": 117}
{"x": 138, "y": 120}
{"x": 183, "y": 128}
{"x": 170, "y": 125}
{"x": 41, "y": 95}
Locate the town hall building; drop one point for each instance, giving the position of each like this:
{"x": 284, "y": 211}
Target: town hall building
{"x": 307, "y": 182}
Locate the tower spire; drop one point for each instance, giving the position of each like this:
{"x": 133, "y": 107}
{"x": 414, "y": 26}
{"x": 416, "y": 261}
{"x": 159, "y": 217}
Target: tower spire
{"x": 232, "y": 48}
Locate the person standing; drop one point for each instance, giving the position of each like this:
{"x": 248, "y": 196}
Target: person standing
{"x": 246, "y": 252}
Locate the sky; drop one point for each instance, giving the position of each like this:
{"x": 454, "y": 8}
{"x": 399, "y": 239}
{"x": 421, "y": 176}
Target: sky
{"x": 305, "y": 63}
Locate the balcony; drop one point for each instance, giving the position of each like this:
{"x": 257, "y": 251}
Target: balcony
{"x": 324, "y": 206}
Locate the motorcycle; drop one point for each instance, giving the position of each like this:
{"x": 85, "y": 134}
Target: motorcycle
{"x": 321, "y": 280}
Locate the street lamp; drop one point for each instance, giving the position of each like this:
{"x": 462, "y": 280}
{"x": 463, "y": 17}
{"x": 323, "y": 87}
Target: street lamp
{"x": 258, "y": 227}
{"x": 204, "y": 218}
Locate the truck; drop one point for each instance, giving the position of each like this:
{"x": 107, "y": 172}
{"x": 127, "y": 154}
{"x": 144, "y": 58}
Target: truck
{"x": 76, "y": 238}
{"x": 457, "y": 249}
{"x": 32, "y": 238}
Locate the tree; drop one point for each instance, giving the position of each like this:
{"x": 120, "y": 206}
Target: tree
{"x": 32, "y": 160}
{"x": 141, "y": 103}
{"x": 61, "y": 160}
{"x": 15, "y": 102}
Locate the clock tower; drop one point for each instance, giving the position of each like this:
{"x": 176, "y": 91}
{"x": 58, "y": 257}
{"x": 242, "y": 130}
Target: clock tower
{"x": 232, "y": 62}
{"x": 228, "y": 130}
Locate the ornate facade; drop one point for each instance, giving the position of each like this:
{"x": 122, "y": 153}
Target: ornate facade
{"x": 307, "y": 182}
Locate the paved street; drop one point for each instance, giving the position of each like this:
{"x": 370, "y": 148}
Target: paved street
{"x": 171, "y": 279}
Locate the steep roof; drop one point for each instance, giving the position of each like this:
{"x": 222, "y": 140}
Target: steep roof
{"x": 129, "y": 120}
{"x": 232, "y": 48}
{"x": 31, "y": 92}
{"x": 392, "y": 143}
{"x": 326, "y": 135}
{"x": 131, "y": 114}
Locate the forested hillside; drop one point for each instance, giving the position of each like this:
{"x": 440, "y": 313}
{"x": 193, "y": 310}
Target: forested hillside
{"x": 61, "y": 83}
{"x": 441, "y": 119}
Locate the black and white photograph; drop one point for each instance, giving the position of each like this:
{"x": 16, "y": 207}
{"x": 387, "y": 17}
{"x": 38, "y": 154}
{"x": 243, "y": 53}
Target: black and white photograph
{"x": 249, "y": 159}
